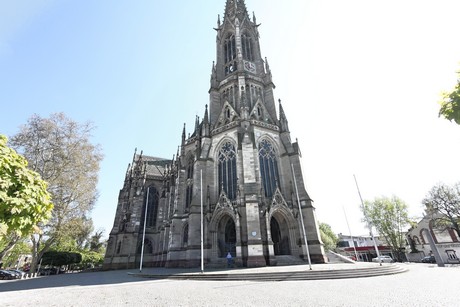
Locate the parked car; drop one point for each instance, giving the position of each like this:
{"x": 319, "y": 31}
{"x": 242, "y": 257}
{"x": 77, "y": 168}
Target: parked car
{"x": 429, "y": 259}
{"x": 5, "y": 274}
{"x": 19, "y": 273}
{"x": 383, "y": 258}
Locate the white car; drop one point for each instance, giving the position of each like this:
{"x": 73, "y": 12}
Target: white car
{"x": 386, "y": 259}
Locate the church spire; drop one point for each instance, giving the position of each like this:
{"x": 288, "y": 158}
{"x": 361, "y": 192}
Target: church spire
{"x": 235, "y": 9}
{"x": 183, "y": 135}
{"x": 206, "y": 130}
{"x": 283, "y": 120}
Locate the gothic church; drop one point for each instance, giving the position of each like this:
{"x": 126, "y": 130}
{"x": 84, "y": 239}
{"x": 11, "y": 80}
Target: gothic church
{"x": 238, "y": 165}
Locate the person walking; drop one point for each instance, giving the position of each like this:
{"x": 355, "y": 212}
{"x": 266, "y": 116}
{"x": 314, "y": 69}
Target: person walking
{"x": 229, "y": 260}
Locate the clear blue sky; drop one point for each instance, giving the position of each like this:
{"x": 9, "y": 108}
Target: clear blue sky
{"x": 359, "y": 81}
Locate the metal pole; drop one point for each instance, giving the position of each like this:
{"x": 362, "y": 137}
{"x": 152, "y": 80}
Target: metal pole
{"x": 145, "y": 223}
{"x": 368, "y": 223}
{"x": 434, "y": 248}
{"x": 301, "y": 217}
{"x": 202, "y": 247}
{"x": 352, "y": 241}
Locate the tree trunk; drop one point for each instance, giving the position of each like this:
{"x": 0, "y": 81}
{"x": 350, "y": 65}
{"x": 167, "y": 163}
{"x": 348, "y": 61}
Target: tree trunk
{"x": 8, "y": 247}
{"x": 37, "y": 254}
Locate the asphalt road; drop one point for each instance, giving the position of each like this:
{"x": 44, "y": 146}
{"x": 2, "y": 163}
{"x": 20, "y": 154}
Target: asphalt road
{"x": 422, "y": 285}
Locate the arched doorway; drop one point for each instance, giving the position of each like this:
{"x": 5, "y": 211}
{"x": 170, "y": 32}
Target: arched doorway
{"x": 280, "y": 236}
{"x": 227, "y": 236}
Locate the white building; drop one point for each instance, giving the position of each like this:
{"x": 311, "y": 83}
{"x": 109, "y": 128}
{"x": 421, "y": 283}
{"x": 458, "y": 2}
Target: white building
{"x": 446, "y": 241}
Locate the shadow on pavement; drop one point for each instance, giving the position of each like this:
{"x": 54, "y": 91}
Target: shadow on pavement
{"x": 71, "y": 279}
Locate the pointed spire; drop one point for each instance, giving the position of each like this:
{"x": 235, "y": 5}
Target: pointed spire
{"x": 205, "y": 130}
{"x": 213, "y": 81}
{"x": 183, "y": 135}
{"x": 267, "y": 67}
{"x": 268, "y": 71}
{"x": 206, "y": 116}
{"x": 235, "y": 9}
{"x": 254, "y": 18}
{"x": 283, "y": 120}
{"x": 197, "y": 124}
{"x": 134, "y": 156}
{"x": 218, "y": 21}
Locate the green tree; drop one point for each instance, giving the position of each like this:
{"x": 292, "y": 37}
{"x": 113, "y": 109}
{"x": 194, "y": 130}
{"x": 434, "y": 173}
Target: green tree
{"x": 24, "y": 199}
{"x": 59, "y": 149}
{"x": 328, "y": 237}
{"x": 443, "y": 204}
{"x": 389, "y": 217}
{"x": 20, "y": 248}
{"x": 95, "y": 244}
{"x": 450, "y": 103}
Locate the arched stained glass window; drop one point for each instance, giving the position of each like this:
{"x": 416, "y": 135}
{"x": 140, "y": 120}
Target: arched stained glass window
{"x": 189, "y": 183}
{"x": 227, "y": 170}
{"x": 152, "y": 209}
{"x": 268, "y": 167}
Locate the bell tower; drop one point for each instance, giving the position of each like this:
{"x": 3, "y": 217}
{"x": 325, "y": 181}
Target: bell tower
{"x": 240, "y": 80}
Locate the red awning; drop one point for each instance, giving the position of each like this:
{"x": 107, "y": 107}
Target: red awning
{"x": 367, "y": 248}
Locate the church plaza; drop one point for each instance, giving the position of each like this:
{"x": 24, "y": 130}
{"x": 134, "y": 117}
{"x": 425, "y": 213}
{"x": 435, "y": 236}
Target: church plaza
{"x": 421, "y": 285}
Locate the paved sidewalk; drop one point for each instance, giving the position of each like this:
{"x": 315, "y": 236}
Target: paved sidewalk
{"x": 422, "y": 285}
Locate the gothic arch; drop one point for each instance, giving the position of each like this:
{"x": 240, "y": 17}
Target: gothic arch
{"x": 270, "y": 139}
{"x": 227, "y": 173}
{"x": 148, "y": 246}
{"x": 282, "y": 226}
{"x": 230, "y": 53}
{"x": 185, "y": 232}
{"x": 152, "y": 207}
{"x": 189, "y": 167}
{"x": 218, "y": 215}
{"x": 269, "y": 165}
{"x": 225, "y": 229}
{"x": 247, "y": 46}
{"x": 282, "y": 234}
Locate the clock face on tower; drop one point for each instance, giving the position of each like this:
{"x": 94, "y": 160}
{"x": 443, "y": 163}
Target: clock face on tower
{"x": 249, "y": 66}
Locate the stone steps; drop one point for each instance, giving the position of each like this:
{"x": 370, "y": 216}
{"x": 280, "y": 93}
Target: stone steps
{"x": 285, "y": 276}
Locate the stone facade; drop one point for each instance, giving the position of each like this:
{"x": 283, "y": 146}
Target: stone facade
{"x": 238, "y": 165}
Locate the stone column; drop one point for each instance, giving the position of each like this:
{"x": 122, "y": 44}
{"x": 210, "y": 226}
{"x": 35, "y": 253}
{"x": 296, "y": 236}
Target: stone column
{"x": 251, "y": 198}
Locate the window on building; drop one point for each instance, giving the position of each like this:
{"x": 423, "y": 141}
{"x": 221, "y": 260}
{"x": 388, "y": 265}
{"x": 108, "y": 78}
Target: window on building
{"x": 451, "y": 255}
{"x": 268, "y": 167}
{"x": 247, "y": 46}
{"x": 152, "y": 209}
{"x": 230, "y": 54}
{"x": 227, "y": 170}
{"x": 185, "y": 236}
{"x": 189, "y": 183}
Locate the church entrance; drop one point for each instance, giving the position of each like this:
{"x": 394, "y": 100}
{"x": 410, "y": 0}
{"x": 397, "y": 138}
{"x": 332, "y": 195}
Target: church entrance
{"x": 227, "y": 237}
{"x": 280, "y": 236}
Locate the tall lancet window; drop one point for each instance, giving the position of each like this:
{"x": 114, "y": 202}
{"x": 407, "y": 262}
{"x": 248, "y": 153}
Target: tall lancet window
{"x": 230, "y": 54}
{"x": 268, "y": 167}
{"x": 227, "y": 170}
{"x": 247, "y": 46}
{"x": 152, "y": 207}
{"x": 189, "y": 183}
